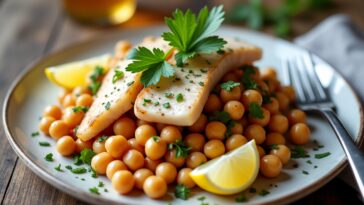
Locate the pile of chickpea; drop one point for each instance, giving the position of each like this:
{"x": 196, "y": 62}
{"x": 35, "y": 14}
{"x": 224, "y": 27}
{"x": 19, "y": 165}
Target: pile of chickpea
{"x": 136, "y": 154}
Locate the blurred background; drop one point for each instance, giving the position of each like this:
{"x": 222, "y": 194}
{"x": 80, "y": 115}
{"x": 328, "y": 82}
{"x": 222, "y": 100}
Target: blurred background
{"x": 31, "y": 28}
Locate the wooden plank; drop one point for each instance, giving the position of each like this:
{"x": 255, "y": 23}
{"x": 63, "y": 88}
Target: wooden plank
{"x": 26, "y": 25}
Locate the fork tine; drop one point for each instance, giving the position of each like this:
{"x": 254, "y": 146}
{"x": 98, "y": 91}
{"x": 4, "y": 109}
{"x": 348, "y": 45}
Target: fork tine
{"x": 308, "y": 89}
{"x": 286, "y": 73}
{"x": 295, "y": 80}
{"x": 309, "y": 64}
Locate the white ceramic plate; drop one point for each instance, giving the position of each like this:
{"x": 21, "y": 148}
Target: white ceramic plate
{"x": 31, "y": 92}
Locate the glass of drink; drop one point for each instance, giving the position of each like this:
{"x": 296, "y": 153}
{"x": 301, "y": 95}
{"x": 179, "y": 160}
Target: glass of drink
{"x": 101, "y": 12}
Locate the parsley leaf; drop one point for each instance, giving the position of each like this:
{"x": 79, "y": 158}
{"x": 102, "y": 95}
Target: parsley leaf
{"x": 58, "y": 168}
{"x": 255, "y": 110}
{"x": 179, "y": 97}
{"x": 103, "y": 138}
{"x": 94, "y": 87}
{"x": 241, "y": 198}
{"x": 79, "y": 170}
{"x": 118, "y": 74}
{"x": 181, "y": 149}
{"x": 246, "y": 79}
{"x": 182, "y": 191}
{"x": 86, "y": 156}
{"x": 34, "y": 134}
{"x": 44, "y": 144}
{"x": 153, "y": 65}
{"x": 322, "y": 155}
{"x": 229, "y": 85}
{"x": 94, "y": 190}
{"x": 97, "y": 73}
{"x": 192, "y": 35}
{"x": 80, "y": 109}
{"x": 49, "y": 157}
{"x": 299, "y": 152}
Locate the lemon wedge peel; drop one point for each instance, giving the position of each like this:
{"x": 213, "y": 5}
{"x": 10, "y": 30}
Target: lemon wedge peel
{"x": 229, "y": 174}
{"x": 73, "y": 74}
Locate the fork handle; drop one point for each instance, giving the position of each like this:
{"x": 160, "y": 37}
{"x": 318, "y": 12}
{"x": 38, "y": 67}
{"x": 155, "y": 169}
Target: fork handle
{"x": 353, "y": 153}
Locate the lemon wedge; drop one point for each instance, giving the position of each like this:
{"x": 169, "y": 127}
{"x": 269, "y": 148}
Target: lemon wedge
{"x": 230, "y": 173}
{"x": 71, "y": 75}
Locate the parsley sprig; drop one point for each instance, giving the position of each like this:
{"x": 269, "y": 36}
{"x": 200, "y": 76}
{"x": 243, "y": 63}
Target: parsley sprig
{"x": 189, "y": 34}
{"x": 182, "y": 191}
{"x": 182, "y": 150}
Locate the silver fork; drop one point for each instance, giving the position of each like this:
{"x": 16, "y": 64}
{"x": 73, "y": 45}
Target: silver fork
{"x": 312, "y": 96}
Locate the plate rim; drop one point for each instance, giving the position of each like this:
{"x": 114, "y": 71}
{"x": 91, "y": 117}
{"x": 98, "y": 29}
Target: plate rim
{"x": 91, "y": 198}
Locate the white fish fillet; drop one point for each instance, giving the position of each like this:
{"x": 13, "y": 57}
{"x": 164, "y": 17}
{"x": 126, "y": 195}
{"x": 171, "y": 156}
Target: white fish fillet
{"x": 194, "y": 82}
{"x": 114, "y": 99}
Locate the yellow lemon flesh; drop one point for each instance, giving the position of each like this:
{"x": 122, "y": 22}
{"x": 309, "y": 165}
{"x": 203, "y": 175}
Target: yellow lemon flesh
{"x": 230, "y": 173}
{"x": 71, "y": 75}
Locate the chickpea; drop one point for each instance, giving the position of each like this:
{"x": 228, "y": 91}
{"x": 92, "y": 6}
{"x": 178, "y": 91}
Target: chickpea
{"x": 170, "y": 134}
{"x": 167, "y": 171}
{"x": 184, "y": 178}
{"x": 215, "y": 130}
{"x": 296, "y": 116}
{"x": 155, "y": 148}
{"x": 143, "y": 133}
{"x": 230, "y": 76}
{"x": 113, "y": 167}
{"x": 62, "y": 94}
{"x": 214, "y": 148}
{"x": 53, "y": 111}
{"x": 263, "y": 86}
{"x": 155, "y": 187}
{"x": 227, "y": 96}
{"x": 72, "y": 118}
{"x": 151, "y": 164}
{"x": 140, "y": 176}
{"x": 98, "y": 145}
{"x": 124, "y": 126}
{"x": 66, "y": 145}
{"x": 123, "y": 181}
{"x": 235, "y": 109}
{"x": 45, "y": 123}
{"x": 69, "y": 100}
{"x": 250, "y": 96}
{"x": 133, "y": 159}
{"x": 255, "y": 132}
{"x": 289, "y": 92}
{"x": 100, "y": 161}
{"x": 273, "y": 84}
{"x": 274, "y": 138}
{"x": 195, "y": 141}
{"x": 195, "y": 159}
{"x": 213, "y": 104}
{"x": 269, "y": 73}
{"x": 79, "y": 90}
{"x": 134, "y": 145}
{"x": 199, "y": 125}
{"x": 282, "y": 152}
{"x": 278, "y": 123}
{"x": 81, "y": 145}
{"x": 116, "y": 146}
{"x": 84, "y": 100}
{"x": 261, "y": 151}
{"x": 260, "y": 121}
{"x": 235, "y": 141}
{"x": 170, "y": 157}
{"x": 270, "y": 166}
{"x": 58, "y": 129}
{"x": 237, "y": 128}
{"x": 300, "y": 134}
{"x": 273, "y": 106}
{"x": 283, "y": 101}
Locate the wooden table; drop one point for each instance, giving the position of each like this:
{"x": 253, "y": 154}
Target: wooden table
{"x": 31, "y": 28}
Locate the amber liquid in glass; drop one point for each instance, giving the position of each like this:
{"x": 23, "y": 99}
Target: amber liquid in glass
{"x": 102, "y": 12}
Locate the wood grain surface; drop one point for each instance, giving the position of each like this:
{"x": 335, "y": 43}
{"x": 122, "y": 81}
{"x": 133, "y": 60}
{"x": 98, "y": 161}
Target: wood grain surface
{"x": 30, "y": 28}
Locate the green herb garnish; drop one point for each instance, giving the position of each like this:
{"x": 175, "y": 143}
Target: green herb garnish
{"x": 97, "y": 73}
{"x": 225, "y": 118}
{"x": 101, "y": 184}
{"x": 94, "y": 190}
{"x": 246, "y": 79}
{"x": 299, "y": 152}
{"x": 49, "y": 157}
{"x": 79, "y": 170}
{"x": 69, "y": 167}
{"x": 107, "y": 106}
{"x": 167, "y": 105}
{"x": 44, "y": 144}
{"x": 103, "y": 138}
{"x": 58, "y": 168}
{"x": 305, "y": 172}
{"x": 86, "y": 156}
{"x": 322, "y": 155}
{"x": 264, "y": 192}
{"x": 76, "y": 160}
{"x": 130, "y": 83}
{"x": 241, "y": 198}
{"x": 34, "y": 134}
{"x": 118, "y": 74}
{"x": 229, "y": 85}
{"x": 182, "y": 192}
{"x": 179, "y": 97}
{"x": 181, "y": 149}
{"x": 255, "y": 110}
{"x": 155, "y": 138}
{"x": 94, "y": 87}
{"x": 80, "y": 109}
{"x": 168, "y": 95}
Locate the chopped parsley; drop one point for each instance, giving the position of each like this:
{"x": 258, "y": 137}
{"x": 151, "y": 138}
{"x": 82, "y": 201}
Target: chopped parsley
{"x": 273, "y": 146}
{"x": 229, "y": 85}
{"x": 167, "y": 105}
{"x": 181, "y": 149}
{"x": 94, "y": 87}
{"x": 86, "y": 156}
{"x": 308, "y": 162}
{"x": 79, "y": 170}
{"x": 103, "y": 138}
{"x": 225, "y": 118}
{"x": 201, "y": 198}
{"x": 168, "y": 95}
{"x": 101, "y": 184}
{"x": 44, "y": 144}
{"x": 203, "y": 70}
{"x": 94, "y": 190}
{"x": 147, "y": 100}
{"x": 156, "y": 103}
{"x": 201, "y": 83}
{"x": 255, "y": 110}
{"x": 49, "y": 157}
{"x": 264, "y": 192}
{"x": 182, "y": 192}
{"x": 241, "y": 198}
{"x": 97, "y": 73}
{"x": 69, "y": 167}
{"x": 130, "y": 83}
{"x": 253, "y": 190}
{"x": 80, "y": 109}
{"x": 220, "y": 52}
{"x": 299, "y": 152}
{"x": 179, "y": 97}
{"x": 76, "y": 160}
{"x": 34, "y": 134}
{"x": 94, "y": 174}
{"x": 58, "y": 168}
{"x": 305, "y": 172}
{"x": 322, "y": 155}
{"x": 107, "y": 106}
{"x": 155, "y": 138}
{"x": 118, "y": 74}
{"x": 246, "y": 79}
